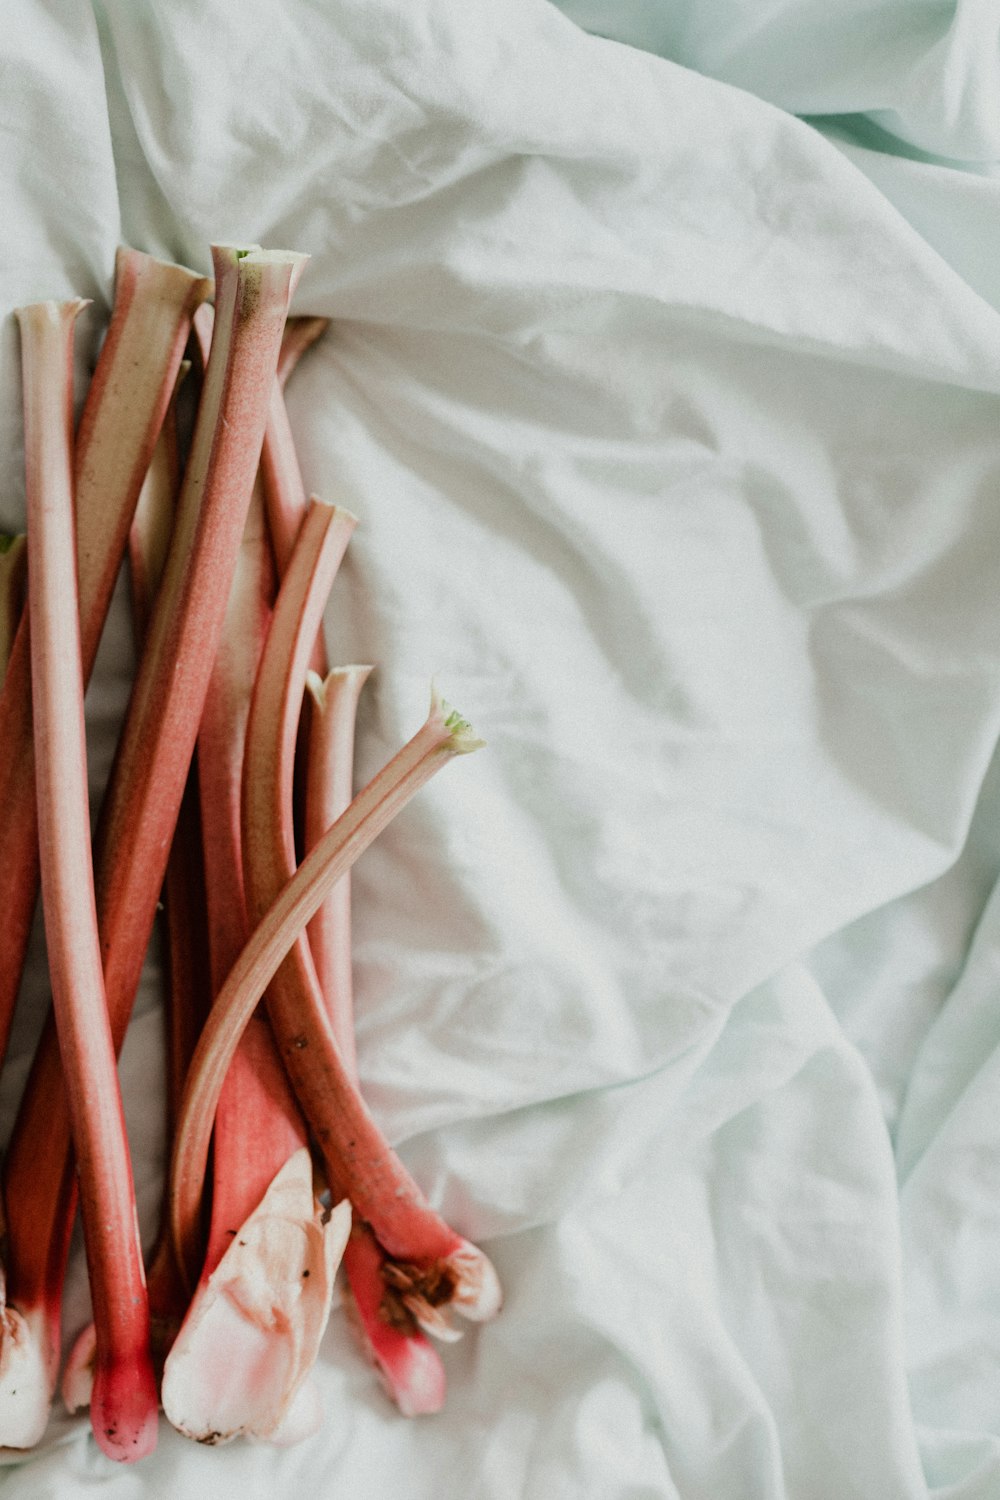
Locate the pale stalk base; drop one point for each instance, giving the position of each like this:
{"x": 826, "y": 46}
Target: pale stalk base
{"x": 27, "y": 1380}
{"x": 253, "y": 1330}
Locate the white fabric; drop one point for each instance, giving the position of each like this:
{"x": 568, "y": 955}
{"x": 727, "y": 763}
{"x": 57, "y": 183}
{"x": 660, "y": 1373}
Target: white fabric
{"x": 672, "y": 427}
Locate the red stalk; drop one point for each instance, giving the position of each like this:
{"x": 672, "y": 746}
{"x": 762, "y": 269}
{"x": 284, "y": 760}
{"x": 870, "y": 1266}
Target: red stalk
{"x": 144, "y": 793}
{"x": 408, "y": 1364}
{"x": 443, "y": 735}
{"x": 441, "y": 1266}
{"x": 184, "y": 900}
{"x": 323, "y": 541}
{"x": 124, "y": 1403}
{"x": 188, "y": 1000}
{"x": 188, "y": 994}
{"x": 123, "y": 412}
{"x": 258, "y": 1125}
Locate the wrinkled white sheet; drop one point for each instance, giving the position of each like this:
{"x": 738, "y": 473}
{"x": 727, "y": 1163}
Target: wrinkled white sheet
{"x": 672, "y": 426}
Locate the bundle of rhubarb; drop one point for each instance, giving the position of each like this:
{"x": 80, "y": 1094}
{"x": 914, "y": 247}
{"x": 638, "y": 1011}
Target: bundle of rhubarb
{"x": 229, "y": 803}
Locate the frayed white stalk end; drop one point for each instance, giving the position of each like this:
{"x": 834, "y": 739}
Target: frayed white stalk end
{"x": 253, "y": 1330}
{"x": 478, "y": 1295}
{"x": 464, "y": 1283}
{"x": 26, "y": 1380}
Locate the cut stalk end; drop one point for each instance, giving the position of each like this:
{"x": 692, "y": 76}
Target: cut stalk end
{"x": 463, "y": 1282}
{"x": 254, "y": 1327}
{"x": 123, "y": 1408}
{"x": 462, "y": 737}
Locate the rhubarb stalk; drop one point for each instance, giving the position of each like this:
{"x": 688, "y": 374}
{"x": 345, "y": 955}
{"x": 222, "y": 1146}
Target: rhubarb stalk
{"x": 259, "y": 1125}
{"x": 443, "y": 735}
{"x": 124, "y": 1403}
{"x": 437, "y": 1266}
{"x": 408, "y": 1365}
{"x": 329, "y": 788}
{"x": 284, "y": 491}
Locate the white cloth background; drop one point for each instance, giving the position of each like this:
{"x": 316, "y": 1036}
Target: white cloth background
{"x": 672, "y": 425}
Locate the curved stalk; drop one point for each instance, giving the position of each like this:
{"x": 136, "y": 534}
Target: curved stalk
{"x": 437, "y": 1267}
{"x": 385, "y": 1192}
{"x": 407, "y": 1363}
{"x": 188, "y": 994}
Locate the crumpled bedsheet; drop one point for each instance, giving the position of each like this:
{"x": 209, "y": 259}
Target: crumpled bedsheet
{"x": 673, "y": 426}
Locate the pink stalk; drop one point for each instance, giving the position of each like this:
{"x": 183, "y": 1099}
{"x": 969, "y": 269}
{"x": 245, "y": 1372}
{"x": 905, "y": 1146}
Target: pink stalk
{"x": 443, "y": 735}
{"x": 284, "y": 491}
{"x": 299, "y": 336}
{"x": 184, "y": 899}
{"x": 329, "y": 788}
{"x": 408, "y": 1364}
{"x": 201, "y": 335}
{"x": 188, "y": 1000}
{"x": 153, "y": 519}
{"x": 124, "y": 409}
{"x": 439, "y": 1267}
{"x": 287, "y": 502}
{"x": 124, "y": 1402}
{"x": 257, "y": 1088}
{"x": 13, "y": 556}
{"x": 188, "y": 990}
{"x": 258, "y": 1125}
{"x": 147, "y": 781}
